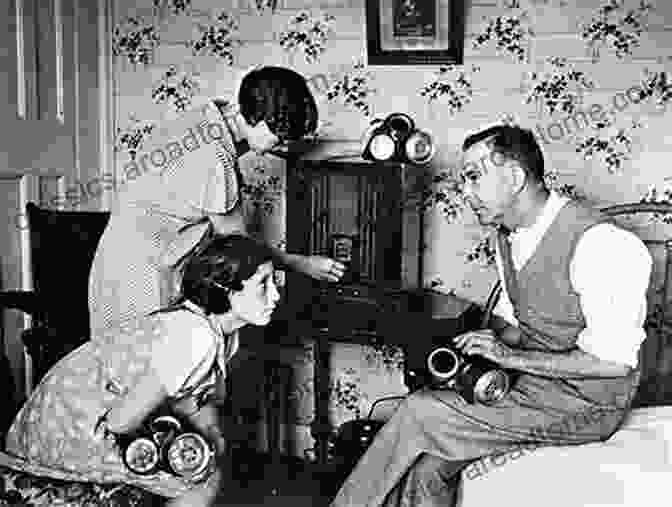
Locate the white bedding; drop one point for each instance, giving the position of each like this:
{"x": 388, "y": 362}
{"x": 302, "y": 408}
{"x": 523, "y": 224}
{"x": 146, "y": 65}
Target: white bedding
{"x": 632, "y": 469}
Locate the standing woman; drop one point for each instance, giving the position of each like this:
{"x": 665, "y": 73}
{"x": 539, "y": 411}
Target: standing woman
{"x": 186, "y": 184}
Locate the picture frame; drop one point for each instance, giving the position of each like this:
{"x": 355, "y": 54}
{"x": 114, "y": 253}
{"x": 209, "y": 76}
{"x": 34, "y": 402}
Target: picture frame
{"x": 415, "y": 32}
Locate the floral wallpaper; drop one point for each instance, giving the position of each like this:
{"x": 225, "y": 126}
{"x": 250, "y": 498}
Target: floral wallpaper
{"x": 556, "y": 89}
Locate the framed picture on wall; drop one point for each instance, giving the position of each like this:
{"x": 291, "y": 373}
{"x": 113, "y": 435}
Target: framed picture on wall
{"x": 414, "y": 32}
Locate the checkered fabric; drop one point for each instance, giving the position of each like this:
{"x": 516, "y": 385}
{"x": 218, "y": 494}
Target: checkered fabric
{"x": 186, "y": 171}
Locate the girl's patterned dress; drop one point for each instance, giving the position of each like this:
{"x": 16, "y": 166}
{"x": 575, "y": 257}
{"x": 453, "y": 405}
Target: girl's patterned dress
{"x": 53, "y": 434}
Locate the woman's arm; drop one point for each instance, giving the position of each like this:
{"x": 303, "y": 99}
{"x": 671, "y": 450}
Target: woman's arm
{"x": 132, "y": 409}
{"x": 230, "y": 222}
{"x": 315, "y": 266}
{"x": 234, "y": 222}
{"x": 205, "y": 419}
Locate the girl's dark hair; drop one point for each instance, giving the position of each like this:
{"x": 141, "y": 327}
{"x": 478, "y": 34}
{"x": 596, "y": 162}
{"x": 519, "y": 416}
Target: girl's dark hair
{"x": 218, "y": 265}
{"x": 281, "y": 97}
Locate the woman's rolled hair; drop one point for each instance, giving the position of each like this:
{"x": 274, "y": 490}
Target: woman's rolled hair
{"x": 281, "y": 97}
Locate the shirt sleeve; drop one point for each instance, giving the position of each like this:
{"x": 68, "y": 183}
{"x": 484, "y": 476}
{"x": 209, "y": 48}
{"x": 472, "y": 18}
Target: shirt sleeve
{"x": 184, "y": 346}
{"x": 220, "y": 191}
{"x": 610, "y": 271}
{"x": 198, "y": 173}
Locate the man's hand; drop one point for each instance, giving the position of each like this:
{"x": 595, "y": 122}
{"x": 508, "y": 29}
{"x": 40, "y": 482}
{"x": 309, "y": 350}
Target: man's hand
{"x": 511, "y": 336}
{"x": 484, "y": 342}
{"x": 319, "y": 267}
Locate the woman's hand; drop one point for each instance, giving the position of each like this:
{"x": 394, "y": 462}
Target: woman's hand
{"x": 206, "y": 420}
{"x": 319, "y": 267}
{"x": 315, "y": 266}
{"x": 484, "y": 342}
{"x": 216, "y": 438}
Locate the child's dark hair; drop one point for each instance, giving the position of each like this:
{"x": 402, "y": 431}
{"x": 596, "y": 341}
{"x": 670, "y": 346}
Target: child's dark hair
{"x": 281, "y": 97}
{"x": 218, "y": 265}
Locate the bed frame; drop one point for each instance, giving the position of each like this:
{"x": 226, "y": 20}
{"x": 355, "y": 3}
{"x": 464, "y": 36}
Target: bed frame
{"x": 655, "y": 356}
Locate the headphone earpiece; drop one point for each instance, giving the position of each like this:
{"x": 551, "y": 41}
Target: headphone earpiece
{"x": 378, "y": 145}
{"x": 397, "y": 138}
{"x": 399, "y": 125}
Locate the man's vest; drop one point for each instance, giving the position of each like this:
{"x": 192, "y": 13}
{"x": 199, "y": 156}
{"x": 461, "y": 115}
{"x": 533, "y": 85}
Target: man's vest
{"x": 546, "y": 306}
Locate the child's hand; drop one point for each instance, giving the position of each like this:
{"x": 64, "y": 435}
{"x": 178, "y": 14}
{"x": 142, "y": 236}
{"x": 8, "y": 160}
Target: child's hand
{"x": 216, "y": 438}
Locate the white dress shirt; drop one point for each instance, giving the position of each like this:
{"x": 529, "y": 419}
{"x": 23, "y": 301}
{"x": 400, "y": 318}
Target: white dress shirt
{"x": 610, "y": 271}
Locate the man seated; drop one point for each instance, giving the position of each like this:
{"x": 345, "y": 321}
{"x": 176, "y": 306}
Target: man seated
{"x": 573, "y": 326}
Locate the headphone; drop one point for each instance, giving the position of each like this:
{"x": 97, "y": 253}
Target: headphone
{"x": 396, "y": 138}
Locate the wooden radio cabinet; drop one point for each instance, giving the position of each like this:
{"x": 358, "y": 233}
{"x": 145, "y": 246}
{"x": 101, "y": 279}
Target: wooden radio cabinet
{"x": 368, "y": 214}
{"x": 358, "y": 212}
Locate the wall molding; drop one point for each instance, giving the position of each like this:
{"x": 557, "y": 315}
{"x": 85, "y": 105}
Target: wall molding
{"x": 20, "y": 61}
{"x": 106, "y": 95}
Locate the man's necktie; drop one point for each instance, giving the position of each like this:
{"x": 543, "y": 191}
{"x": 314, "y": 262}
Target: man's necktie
{"x": 510, "y": 278}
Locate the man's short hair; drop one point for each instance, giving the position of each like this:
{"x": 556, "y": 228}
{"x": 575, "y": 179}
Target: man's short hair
{"x": 512, "y": 143}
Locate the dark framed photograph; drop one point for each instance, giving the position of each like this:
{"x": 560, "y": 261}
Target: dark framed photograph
{"x": 413, "y": 18}
{"x": 415, "y": 32}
